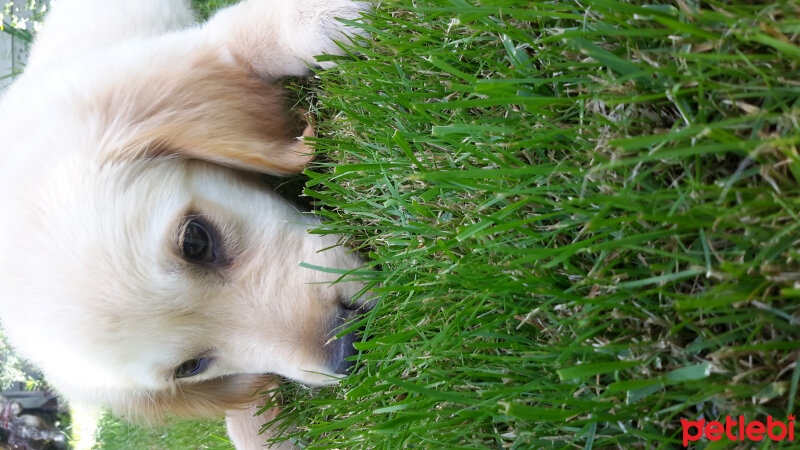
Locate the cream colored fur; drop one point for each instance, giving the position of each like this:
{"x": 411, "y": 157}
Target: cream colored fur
{"x": 129, "y": 118}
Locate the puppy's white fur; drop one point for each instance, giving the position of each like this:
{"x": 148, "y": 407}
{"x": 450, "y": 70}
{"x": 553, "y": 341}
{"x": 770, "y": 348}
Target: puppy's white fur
{"x": 128, "y": 119}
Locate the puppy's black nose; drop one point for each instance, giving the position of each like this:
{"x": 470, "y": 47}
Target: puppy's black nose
{"x": 343, "y": 348}
{"x": 349, "y": 312}
{"x": 359, "y": 306}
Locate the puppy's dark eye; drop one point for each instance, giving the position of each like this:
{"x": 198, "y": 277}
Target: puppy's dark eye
{"x": 192, "y": 367}
{"x": 197, "y": 243}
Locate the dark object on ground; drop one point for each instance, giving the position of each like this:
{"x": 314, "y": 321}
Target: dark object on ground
{"x": 30, "y": 428}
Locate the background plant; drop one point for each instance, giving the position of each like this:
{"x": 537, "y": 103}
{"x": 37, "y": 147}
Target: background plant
{"x": 13, "y": 369}
{"x": 18, "y": 23}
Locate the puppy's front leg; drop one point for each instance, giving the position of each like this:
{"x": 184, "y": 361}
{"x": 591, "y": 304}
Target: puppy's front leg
{"x": 278, "y": 38}
{"x": 244, "y": 427}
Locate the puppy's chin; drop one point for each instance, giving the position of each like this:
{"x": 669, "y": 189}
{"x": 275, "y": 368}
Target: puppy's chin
{"x": 317, "y": 379}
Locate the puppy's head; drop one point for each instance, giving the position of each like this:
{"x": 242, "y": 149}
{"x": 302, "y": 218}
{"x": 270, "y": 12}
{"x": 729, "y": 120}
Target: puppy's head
{"x": 144, "y": 266}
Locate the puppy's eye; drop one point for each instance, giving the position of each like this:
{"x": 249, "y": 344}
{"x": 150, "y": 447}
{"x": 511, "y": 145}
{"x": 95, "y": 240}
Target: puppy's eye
{"x": 197, "y": 243}
{"x": 192, "y": 367}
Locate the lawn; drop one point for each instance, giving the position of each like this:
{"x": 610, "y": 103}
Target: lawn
{"x": 583, "y": 219}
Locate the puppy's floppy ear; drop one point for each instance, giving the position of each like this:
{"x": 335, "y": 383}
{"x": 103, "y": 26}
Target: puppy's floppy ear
{"x": 210, "y": 110}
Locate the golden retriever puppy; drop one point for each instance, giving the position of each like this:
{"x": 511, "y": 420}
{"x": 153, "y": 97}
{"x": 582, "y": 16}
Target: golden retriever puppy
{"x": 145, "y": 267}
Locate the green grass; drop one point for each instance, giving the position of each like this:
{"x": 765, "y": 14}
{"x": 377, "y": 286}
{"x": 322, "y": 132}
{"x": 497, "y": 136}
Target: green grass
{"x": 584, "y": 216}
{"x": 177, "y": 434}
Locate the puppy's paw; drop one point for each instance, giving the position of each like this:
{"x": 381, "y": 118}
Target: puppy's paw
{"x": 278, "y": 38}
{"x": 320, "y": 29}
